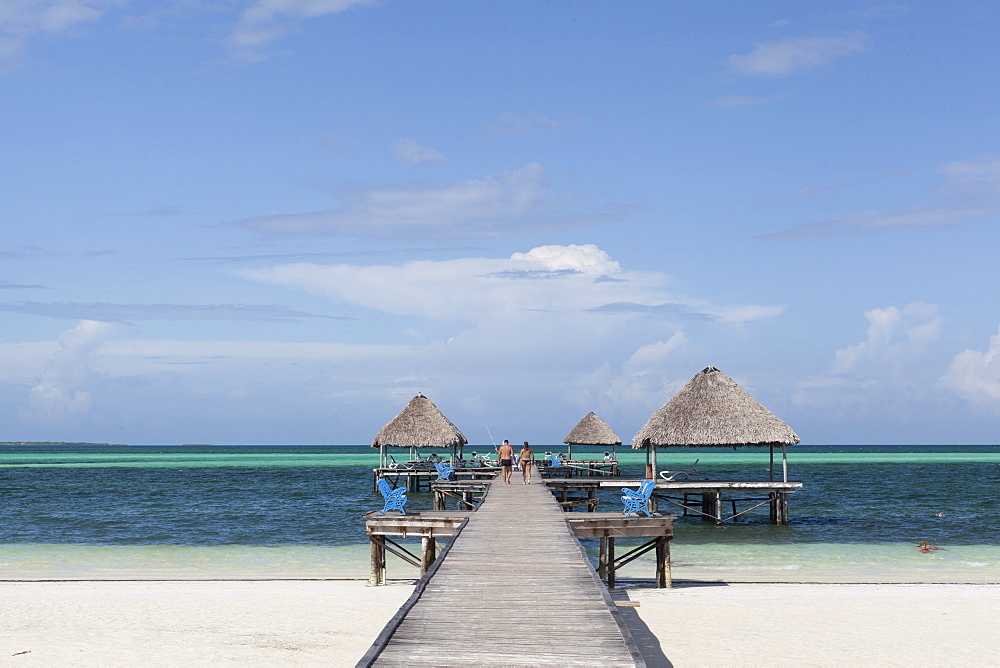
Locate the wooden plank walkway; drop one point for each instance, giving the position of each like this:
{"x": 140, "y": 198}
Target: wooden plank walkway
{"x": 514, "y": 589}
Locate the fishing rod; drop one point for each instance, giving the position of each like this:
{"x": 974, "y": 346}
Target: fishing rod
{"x": 491, "y": 434}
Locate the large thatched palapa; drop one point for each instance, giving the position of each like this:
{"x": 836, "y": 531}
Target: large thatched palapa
{"x": 712, "y": 410}
{"x": 419, "y": 425}
{"x": 591, "y": 430}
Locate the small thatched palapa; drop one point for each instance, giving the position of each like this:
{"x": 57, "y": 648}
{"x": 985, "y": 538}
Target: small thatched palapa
{"x": 591, "y": 430}
{"x": 420, "y": 425}
{"x": 712, "y": 410}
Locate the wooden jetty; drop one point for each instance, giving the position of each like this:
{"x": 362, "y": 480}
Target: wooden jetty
{"x": 514, "y": 563}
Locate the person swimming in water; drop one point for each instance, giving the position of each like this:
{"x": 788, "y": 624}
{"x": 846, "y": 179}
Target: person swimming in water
{"x": 923, "y": 546}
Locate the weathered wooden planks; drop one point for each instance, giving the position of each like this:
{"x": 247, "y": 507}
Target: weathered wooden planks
{"x": 513, "y": 589}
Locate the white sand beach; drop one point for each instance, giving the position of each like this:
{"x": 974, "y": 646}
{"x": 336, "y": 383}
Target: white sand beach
{"x": 332, "y": 623}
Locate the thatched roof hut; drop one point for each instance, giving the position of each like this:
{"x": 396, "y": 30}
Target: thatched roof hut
{"x": 419, "y": 425}
{"x": 712, "y": 410}
{"x": 591, "y": 430}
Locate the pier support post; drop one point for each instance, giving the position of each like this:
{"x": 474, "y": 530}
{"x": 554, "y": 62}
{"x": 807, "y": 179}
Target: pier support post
{"x": 711, "y": 505}
{"x": 602, "y": 559}
{"x": 664, "y": 579}
{"x": 779, "y": 508}
{"x": 428, "y": 553}
{"x": 378, "y": 561}
{"x": 611, "y": 562}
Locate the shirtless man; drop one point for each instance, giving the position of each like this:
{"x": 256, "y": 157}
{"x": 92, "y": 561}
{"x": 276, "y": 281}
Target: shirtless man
{"x": 505, "y": 453}
{"x": 525, "y": 457}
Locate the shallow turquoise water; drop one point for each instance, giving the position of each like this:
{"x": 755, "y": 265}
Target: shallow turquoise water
{"x": 269, "y": 511}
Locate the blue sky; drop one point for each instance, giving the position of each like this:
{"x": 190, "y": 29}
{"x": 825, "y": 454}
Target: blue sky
{"x": 275, "y": 221}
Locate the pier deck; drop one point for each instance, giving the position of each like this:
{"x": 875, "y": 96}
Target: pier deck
{"x": 514, "y": 566}
{"x": 706, "y": 498}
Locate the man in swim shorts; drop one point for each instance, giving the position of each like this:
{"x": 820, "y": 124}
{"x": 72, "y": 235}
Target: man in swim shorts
{"x": 505, "y": 453}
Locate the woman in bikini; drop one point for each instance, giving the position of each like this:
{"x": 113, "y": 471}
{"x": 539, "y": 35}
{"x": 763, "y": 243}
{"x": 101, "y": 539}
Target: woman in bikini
{"x": 525, "y": 457}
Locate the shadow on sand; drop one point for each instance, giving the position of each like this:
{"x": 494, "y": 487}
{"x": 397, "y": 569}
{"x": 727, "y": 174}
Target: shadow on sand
{"x": 649, "y": 644}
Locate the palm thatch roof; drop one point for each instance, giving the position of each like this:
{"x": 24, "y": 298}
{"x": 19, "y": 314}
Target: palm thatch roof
{"x": 712, "y": 410}
{"x": 592, "y": 430}
{"x": 420, "y": 425}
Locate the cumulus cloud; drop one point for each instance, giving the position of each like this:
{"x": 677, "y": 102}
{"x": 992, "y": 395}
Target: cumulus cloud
{"x": 530, "y": 322}
{"x": 265, "y": 21}
{"x": 631, "y": 391}
{"x": 974, "y": 375}
{"x": 505, "y": 336}
{"x": 515, "y": 201}
{"x": 782, "y": 57}
{"x": 968, "y": 191}
{"x": 887, "y": 364}
{"x": 470, "y": 289}
{"x": 62, "y": 390}
{"x": 411, "y": 152}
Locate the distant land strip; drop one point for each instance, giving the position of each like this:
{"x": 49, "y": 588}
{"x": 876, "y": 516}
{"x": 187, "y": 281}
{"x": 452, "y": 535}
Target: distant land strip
{"x": 55, "y": 443}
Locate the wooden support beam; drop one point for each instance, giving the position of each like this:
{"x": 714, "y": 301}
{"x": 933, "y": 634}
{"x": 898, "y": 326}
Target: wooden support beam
{"x": 611, "y": 562}
{"x": 400, "y": 551}
{"x": 664, "y": 579}
{"x": 378, "y": 560}
{"x": 428, "y": 553}
{"x": 602, "y": 559}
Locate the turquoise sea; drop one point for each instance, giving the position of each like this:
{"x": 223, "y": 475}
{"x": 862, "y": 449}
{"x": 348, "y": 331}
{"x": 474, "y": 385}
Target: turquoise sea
{"x": 221, "y": 512}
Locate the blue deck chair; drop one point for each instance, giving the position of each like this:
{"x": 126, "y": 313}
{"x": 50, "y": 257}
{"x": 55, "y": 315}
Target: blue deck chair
{"x": 445, "y": 472}
{"x": 635, "y": 501}
{"x": 395, "y": 499}
{"x": 554, "y": 459}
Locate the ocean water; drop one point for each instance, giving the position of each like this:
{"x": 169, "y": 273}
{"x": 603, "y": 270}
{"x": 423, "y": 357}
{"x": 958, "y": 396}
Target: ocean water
{"x": 148, "y": 512}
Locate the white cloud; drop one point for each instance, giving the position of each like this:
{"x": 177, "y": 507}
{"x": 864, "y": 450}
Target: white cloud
{"x": 531, "y": 323}
{"x": 969, "y": 191}
{"x": 411, "y": 152}
{"x": 730, "y": 101}
{"x": 888, "y": 364}
{"x": 782, "y": 57}
{"x": 564, "y": 280}
{"x": 975, "y": 374}
{"x": 515, "y": 201}
{"x": 20, "y": 20}
{"x": 62, "y": 390}
{"x": 265, "y": 21}
{"x": 631, "y": 392}
{"x": 522, "y": 124}
{"x": 587, "y": 258}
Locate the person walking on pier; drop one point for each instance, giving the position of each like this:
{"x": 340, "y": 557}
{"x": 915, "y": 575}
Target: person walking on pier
{"x": 525, "y": 457}
{"x": 505, "y": 453}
